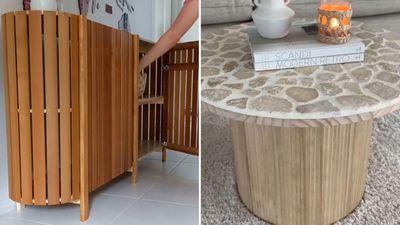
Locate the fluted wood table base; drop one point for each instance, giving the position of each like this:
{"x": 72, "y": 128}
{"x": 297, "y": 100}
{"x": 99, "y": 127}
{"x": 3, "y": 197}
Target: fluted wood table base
{"x": 301, "y": 176}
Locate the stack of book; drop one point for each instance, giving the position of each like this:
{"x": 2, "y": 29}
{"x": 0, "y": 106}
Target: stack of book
{"x": 301, "y": 48}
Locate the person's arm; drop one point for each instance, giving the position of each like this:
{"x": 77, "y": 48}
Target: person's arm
{"x": 186, "y": 18}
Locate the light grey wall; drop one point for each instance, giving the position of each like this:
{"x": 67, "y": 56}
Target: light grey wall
{"x": 69, "y": 6}
{"x": 5, "y": 203}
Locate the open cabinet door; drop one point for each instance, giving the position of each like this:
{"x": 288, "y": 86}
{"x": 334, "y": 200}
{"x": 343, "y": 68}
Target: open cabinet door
{"x": 181, "y": 105}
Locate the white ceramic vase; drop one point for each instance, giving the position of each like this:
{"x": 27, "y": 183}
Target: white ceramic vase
{"x": 48, "y": 5}
{"x": 273, "y": 18}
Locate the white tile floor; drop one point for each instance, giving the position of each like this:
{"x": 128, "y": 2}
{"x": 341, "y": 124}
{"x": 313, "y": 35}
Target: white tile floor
{"x": 167, "y": 193}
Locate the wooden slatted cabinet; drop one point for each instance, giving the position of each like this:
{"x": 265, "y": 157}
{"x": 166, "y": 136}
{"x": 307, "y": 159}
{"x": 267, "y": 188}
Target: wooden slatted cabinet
{"x": 74, "y": 117}
{"x": 72, "y": 106}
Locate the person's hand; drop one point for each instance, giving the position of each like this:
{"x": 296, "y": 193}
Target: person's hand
{"x": 184, "y": 21}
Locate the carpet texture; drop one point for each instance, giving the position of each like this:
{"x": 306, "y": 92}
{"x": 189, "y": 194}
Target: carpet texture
{"x": 220, "y": 202}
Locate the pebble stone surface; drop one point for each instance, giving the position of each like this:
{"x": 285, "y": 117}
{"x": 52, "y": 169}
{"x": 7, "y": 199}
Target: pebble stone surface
{"x": 230, "y": 83}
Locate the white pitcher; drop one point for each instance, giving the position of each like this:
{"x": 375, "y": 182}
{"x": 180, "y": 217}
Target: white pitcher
{"x": 48, "y": 5}
{"x": 273, "y": 18}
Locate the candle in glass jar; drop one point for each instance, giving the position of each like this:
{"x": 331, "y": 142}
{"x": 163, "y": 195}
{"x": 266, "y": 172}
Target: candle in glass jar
{"x": 334, "y": 21}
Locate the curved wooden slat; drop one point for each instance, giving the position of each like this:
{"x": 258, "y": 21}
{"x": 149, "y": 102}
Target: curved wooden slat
{"x": 74, "y": 24}
{"x": 84, "y": 116}
{"x": 65, "y": 100}
{"x": 37, "y": 97}
{"x": 11, "y": 90}
{"x": 24, "y": 106}
{"x": 52, "y": 126}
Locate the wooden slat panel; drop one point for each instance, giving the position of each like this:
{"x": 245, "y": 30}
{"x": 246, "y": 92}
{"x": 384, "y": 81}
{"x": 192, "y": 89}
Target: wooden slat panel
{"x": 37, "y": 95}
{"x": 189, "y": 105}
{"x": 52, "y": 126}
{"x": 107, "y": 34}
{"x": 153, "y": 121}
{"x": 12, "y": 106}
{"x": 84, "y": 121}
{"x": 117, "y": 101}
{"x": 176, "y": 107}
{"x": 75, "y": 105}
{"x": 126, "y": 103}
{"x": 130, "y": 103}
{"x": 114, "y": 103}
{"x": 166, "y": 94}
{"x": 135, "y": 91}
{"x": 145, "y": 119}
{"x": 123, "y": 153}
{"x": 159, "y": 122}
{"x": 170, "y": 87}
{"x": 89, "y": 92}
{"x": 65, "y": 117}
{"x": 7, "y": 108}
{"x": 160, "y": 80}
{"x": 153, "y": 79}
{"x": 160, "y": 76}
{"x": 182, "y": 107}
{"x": 93, "y": 110}
{"x": 195, "y": 111}
{"x": 99, "y": 76}
{"x": 152, "y": 91}
{"x": 24, "y": 106}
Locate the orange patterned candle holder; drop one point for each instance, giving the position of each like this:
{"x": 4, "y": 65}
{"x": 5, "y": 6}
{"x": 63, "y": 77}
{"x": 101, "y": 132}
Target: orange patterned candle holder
{"x": 334, "y": 22}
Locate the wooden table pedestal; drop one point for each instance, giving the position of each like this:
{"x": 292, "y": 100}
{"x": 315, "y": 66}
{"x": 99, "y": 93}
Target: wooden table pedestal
{"x": 301, "y": 176}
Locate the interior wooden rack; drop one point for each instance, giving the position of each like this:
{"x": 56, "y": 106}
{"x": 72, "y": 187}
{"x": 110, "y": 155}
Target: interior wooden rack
{"x": 74, "y": 117}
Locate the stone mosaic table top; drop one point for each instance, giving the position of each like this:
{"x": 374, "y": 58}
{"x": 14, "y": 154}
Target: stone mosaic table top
{"x": 353, "y": 91}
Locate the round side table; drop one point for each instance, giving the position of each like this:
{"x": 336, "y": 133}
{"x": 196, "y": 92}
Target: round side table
{"x": 301, "y": 136}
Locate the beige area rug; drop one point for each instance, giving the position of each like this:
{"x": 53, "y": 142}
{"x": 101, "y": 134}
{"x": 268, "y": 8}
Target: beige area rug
{"x": 220, "y": 202}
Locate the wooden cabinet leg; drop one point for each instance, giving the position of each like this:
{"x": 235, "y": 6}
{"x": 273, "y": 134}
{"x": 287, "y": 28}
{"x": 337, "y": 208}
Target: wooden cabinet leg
{"x": 84, "y": 207}
{"x": 135, "y": 174}
{"x": 135, "y": 164}
{"x": 164, "y": 154}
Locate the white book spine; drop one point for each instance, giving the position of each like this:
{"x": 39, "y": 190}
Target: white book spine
{"x": 318, "y": 61}
{"x": 303, "y": 53}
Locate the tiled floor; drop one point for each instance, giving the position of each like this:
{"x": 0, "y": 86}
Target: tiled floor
{"x": 167, "y": 193}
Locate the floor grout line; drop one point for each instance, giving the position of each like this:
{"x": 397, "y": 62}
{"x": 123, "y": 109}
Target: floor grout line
{"x": 171, "y": 203}
{"x": 122, "y": 212}
{"x": 177, "y": 165}
{"x": 151, "y": 187}
{"x": 119, "y": 196}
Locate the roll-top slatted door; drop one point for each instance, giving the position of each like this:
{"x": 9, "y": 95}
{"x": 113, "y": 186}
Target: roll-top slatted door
{"x": 181, "y": 111}
{"x": 41, "y": 52}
